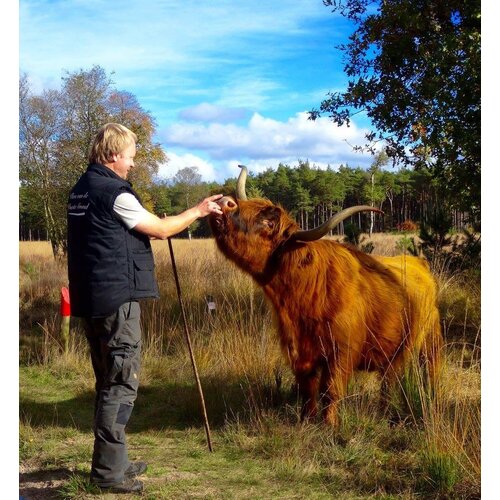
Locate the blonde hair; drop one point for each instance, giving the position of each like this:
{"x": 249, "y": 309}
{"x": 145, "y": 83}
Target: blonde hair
{"x": 111, "y": 139}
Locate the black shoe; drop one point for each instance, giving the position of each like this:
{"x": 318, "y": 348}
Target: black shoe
{"x": 127, "y": 486}
{"x": 136, "y": 469}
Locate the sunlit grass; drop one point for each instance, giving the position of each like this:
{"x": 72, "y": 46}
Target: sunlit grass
{"x": 434, "y": 449}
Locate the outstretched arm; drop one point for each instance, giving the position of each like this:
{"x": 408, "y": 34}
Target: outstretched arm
{"x": 163, "y": 228}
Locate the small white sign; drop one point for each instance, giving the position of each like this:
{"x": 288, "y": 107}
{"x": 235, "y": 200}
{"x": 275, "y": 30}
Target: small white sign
{"x": 210, "y": 303}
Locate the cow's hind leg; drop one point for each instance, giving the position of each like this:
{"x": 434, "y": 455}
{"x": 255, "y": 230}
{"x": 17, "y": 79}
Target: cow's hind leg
{"x": 430, "y": 358}
{"x": 390, "y": 392}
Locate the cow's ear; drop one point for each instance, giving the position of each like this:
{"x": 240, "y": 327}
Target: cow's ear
{"x": 271, "y": 214}
{"x": 269, "y": 223}
{"x": 269, "y": 218}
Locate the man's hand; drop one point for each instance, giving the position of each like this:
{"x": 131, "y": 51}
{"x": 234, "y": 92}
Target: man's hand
{"x": 208, "y": 206}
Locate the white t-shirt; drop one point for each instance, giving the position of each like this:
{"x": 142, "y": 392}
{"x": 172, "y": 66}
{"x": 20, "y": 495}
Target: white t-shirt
{"x": 128, "y": 208}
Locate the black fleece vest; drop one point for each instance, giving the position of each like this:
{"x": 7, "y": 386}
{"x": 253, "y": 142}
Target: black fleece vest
{"x": 108, "y": 264}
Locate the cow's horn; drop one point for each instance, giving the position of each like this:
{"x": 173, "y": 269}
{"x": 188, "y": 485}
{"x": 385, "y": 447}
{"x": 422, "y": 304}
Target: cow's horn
{"x": 240, "y": 185}
{"x": 320, "y": 231}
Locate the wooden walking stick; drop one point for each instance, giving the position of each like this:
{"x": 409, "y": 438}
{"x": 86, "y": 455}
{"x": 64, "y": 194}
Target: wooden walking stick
{"x": 188, "y": 339}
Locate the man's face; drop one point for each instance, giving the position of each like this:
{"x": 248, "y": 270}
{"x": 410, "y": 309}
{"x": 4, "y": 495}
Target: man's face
{"x": 123, "y": 161}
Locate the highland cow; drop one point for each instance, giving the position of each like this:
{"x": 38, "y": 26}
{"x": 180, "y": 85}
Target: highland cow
{"x": 337, "y": 309}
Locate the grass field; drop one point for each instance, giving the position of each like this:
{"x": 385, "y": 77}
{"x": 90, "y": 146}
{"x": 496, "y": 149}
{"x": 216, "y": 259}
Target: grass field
{"x": 261, "y": 450}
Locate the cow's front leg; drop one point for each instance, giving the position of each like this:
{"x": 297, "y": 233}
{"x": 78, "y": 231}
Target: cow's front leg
{"x": 333, "y": 386}
{"x": 308, "y": 383}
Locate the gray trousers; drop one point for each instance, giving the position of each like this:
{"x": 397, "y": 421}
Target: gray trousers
{"x": 115, "y": 348}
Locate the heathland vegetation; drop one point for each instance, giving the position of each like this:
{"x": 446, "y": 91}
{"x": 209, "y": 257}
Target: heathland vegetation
{"x": 428, "y": 448}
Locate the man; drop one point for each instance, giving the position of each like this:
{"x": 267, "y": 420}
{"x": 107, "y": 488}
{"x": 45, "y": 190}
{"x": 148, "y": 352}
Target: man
{"x": 111, "y": 267}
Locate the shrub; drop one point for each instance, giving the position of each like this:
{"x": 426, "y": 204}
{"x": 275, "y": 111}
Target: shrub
{"x": 407, "y": 225}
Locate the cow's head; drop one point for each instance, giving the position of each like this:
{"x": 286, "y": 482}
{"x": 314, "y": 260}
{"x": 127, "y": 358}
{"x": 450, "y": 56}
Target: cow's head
{"x": 250, "y": 231}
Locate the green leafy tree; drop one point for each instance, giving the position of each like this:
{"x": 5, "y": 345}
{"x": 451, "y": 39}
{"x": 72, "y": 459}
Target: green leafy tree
{"x": 329, "y": 187}
{"x": 280, "y": 189}
{"x": 189, "y": 187}
{"x": 161, "y": 198}
{"x": 186, "y": 190}
{"x": 405, "y": 180}
{"x": 31, "y": 215}
{"x": 327, "y": 192}
{"x": 39, "y": 129}
{"x": 56, "y": 129}
{"x": 414, "y": 69}
{"x": 375, "y": 191}
{"x": 301, "y": 201}
{"x": 265, "y": 180}
{"x": 353, "y": 180}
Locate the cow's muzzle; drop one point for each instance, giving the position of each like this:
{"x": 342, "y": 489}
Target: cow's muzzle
{"x": 227, "y": 204}
{"x": 219, "y": 222}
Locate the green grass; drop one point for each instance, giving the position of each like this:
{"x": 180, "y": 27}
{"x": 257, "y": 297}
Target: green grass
{"x": 259, "y": 452}
{"x": 56, "y": 434}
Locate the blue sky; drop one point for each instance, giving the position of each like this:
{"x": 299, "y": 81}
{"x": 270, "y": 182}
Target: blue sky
{"x": 227, "y": 82}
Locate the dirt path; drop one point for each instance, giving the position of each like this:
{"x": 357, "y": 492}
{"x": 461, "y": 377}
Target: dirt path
{"x": 36, "y": 484}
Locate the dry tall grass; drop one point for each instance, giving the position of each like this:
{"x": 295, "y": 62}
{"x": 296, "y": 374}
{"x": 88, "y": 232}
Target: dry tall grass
{"x": 236, "y": 348}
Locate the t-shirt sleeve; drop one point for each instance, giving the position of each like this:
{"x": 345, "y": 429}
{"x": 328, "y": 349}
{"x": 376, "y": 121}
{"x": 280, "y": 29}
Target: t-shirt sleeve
{"x": 128, "y": 208}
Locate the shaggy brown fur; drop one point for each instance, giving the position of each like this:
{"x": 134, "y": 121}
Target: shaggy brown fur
{"x": 337, "y": 309}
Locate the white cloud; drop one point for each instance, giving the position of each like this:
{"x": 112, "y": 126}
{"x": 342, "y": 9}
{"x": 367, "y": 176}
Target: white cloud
{"x": 264, "y": 139}
{"x": 220, "y": 171}
{"x": 176, "y": 162}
